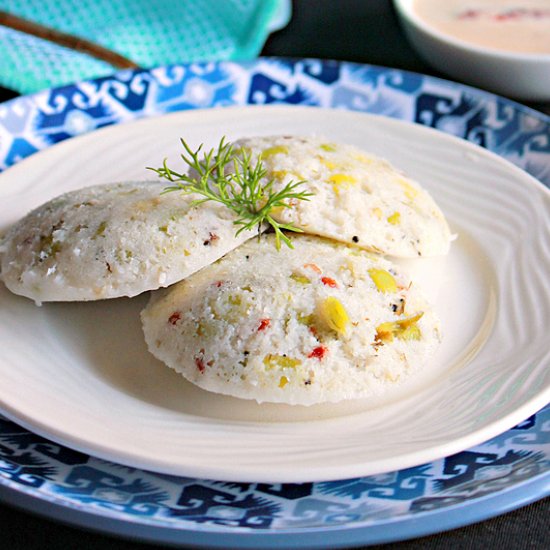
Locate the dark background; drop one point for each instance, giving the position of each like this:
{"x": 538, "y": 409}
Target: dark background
{"x": 365, "y": 31}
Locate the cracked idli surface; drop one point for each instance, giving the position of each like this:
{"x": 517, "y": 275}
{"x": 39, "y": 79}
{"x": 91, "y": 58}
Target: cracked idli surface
{"x": 357, "y": 197}
{"x": 322, "y": 322}
{"x": 113, "y": 240}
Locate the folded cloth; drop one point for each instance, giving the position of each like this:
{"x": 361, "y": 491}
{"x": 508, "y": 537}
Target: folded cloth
{"x": 146, "y": 32}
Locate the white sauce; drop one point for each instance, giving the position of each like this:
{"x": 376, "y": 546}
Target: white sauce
{"x": 521, "y": 26}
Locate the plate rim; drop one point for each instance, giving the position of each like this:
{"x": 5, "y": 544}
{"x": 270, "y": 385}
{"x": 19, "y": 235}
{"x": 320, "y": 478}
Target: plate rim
{"x": 342, "y": 536}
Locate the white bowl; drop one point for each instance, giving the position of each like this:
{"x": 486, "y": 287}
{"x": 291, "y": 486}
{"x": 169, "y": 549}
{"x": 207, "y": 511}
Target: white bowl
{"x": 519, "y": 75}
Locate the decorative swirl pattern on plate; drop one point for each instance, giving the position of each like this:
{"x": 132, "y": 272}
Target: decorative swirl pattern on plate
{"x": 512, "y": 131}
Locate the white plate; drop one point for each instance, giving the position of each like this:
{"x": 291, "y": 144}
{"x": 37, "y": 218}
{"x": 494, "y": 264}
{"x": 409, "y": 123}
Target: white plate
{"x": 80, "y": 373}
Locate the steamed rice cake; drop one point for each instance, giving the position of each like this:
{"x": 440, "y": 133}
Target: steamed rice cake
{"x": 114, "y": 240}
{"x": 321, "y": 323}
{"x": 357, "y": 197}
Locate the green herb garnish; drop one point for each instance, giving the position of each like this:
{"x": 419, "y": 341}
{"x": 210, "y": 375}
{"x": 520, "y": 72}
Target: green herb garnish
{"x": 228, "y": 176}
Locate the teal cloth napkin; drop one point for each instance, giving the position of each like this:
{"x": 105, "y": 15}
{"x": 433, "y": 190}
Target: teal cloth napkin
{"x": 148, "y": 32}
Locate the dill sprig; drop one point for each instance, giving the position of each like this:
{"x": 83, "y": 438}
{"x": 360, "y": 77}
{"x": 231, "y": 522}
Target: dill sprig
{"x": 227, "y": 175}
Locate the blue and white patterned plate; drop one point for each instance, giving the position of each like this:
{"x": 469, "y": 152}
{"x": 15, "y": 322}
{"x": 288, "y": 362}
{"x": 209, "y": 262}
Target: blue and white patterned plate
{"x": 506, "y": 472}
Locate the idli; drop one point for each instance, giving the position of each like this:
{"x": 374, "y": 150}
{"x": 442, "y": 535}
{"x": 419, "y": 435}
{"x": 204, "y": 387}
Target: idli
{"x": 356, "y": 197}
{"x": 113, "y": 240}
{"x": 323, "y": 322}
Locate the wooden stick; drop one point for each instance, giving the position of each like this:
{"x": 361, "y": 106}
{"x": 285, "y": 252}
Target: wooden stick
{"x": 63, "y": 39}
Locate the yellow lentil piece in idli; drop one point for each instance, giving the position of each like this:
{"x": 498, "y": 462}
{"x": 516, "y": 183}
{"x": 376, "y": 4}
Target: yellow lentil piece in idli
{"x": 357, "y": 197}
{"x": 114, "y": 240}
{"x": 324, "y": 322}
